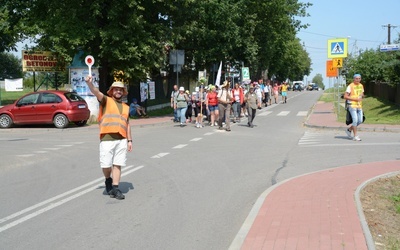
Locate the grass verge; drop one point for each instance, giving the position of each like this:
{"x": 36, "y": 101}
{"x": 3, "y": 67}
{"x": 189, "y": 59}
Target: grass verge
{"x": 377, "y": 111}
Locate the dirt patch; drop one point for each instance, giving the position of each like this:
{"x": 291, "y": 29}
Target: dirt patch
{"x": 381, "y": 204}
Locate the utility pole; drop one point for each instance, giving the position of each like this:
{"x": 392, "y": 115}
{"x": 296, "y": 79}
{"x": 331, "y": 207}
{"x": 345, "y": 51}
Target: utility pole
{"x": 389, "y": 26}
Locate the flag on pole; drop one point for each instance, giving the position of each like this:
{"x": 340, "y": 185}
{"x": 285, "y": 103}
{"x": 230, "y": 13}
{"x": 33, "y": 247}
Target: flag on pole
{"x": 218, "y": 80}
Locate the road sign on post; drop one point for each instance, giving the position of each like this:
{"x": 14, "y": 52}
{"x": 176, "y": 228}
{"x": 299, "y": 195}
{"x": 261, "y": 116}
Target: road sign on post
{"x": 245, "y": 73}
{"x": 337, "y": 62}
{"x": 330, "y": 70}
{"x": 337, "y": 48}
{"x": 389, "y": 47}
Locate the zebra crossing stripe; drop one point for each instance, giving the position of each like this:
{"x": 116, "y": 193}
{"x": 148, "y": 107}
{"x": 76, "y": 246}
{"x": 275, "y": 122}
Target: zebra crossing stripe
{"x": 283, "y": 113}
{"x": 265, "y": 113}
{"x": 302, "y": 113}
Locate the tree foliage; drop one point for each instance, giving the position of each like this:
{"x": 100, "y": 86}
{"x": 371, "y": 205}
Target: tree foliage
{"x": 375, "y": 66}
{"x": 136, "y": 36}
{"x": 10, "y": 66}
{"x": 319, "y": 80}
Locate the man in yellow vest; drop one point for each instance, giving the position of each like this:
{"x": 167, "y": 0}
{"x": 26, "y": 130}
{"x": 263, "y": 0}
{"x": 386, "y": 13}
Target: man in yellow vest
{"x": 353, "y": 95}
{"x": 115, "y": 134}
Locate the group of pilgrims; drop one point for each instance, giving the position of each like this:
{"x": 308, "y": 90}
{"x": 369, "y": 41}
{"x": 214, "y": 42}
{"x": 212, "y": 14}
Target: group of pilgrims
{"x": 220, "y": 105}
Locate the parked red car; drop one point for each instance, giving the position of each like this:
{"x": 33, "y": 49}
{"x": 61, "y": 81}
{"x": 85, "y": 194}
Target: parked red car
{"x": 46, "y": 107}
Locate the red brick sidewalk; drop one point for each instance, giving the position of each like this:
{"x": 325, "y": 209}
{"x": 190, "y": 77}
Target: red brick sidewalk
{"x": 314, "y": 211}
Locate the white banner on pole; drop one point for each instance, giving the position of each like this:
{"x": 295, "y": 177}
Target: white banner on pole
{"x": 152, "y": 90}
{"x": 218, "y": 80}
{"x": 144, "y": 90}
{"x": 13, "y": 84}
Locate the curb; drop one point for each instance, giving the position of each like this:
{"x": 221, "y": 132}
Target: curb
{"x": 364, "y": 224}
{"x": 376, "y": 129}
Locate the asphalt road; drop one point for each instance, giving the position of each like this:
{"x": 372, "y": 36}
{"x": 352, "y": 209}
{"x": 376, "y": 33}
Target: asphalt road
{"x": 185, "y": 188}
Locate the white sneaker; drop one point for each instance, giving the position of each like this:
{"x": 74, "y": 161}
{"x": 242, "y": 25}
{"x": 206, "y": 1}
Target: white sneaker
{"x": 356, "y": 138}
{"x": 348, "y": 132}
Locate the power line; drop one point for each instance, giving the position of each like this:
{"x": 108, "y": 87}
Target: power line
{"x": 337, "y": 36}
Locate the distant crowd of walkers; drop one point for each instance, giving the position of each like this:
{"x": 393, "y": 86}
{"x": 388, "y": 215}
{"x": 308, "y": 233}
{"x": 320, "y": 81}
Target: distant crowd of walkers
{"x": 217, "y": 104}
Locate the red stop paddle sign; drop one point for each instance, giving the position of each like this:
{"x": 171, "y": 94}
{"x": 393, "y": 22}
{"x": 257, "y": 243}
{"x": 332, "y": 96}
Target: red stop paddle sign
{"x": 89, "y": 60}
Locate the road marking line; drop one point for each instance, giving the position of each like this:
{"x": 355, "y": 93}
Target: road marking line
{"x": 39, "y": 152}
{"x": 302, "y": 113}
{"x": 159, "y": 155}
{"x": 180, "y": 146}
{"x": 27, "y": 155}
{"x": 88, "y": 187}
{"x": 64, "y": 145}
{"x": 196, "y": 139}
{"x": 51, "y": 148}
{"x": 355, "y": 144}
{"x": 209, "y": 133}
{"x": 265, "y": 113}
{"x": 283, "y": 113}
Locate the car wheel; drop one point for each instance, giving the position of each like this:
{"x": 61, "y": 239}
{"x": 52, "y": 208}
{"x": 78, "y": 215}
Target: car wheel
{"x": 81, "y": 123}
{"x": 5, "y": 121}
{"x": 60, "y": 121}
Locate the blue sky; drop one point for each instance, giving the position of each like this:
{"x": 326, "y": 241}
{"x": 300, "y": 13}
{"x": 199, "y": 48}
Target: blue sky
{"x": 361, "y": 21}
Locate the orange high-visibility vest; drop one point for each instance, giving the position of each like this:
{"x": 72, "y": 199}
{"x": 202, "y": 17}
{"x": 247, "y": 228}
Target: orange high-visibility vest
{"x": 111, "y": 120}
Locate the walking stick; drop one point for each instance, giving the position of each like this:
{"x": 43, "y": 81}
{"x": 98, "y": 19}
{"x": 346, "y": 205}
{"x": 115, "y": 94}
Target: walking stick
{"x": 201, "y": 105}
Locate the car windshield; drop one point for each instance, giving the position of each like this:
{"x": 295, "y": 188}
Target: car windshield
{"x": 73, "y": 97}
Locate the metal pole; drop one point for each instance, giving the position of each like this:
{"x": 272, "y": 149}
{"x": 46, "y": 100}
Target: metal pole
{"x": 338, "y": 96}
{"x": 177, "y": 74}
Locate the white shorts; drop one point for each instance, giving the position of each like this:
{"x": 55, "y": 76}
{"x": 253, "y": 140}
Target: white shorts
{"x": 113, "y": 153}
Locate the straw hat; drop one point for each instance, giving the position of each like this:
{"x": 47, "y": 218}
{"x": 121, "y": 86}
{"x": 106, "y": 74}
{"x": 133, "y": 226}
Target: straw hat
{"x": 117, "y": 85}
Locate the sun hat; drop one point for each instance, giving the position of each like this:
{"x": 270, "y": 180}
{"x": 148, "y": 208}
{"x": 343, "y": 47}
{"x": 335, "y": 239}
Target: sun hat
{"x": 181, "y": 89}
{"x": 117, "y": 85}
{"x": 187, "y": 92}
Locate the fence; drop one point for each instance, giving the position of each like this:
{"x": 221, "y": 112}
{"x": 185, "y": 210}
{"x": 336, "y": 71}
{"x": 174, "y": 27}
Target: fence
{"x": 384, "y": 91}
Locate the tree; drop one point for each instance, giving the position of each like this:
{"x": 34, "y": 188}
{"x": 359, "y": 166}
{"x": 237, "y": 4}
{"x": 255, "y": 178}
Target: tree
{"x": 10, "y": 66}
{"x": 135, "y": 36}
{"x": 375, "y": 66}
{"x": 319, "y": 81}
{"x": 116, "y": 33}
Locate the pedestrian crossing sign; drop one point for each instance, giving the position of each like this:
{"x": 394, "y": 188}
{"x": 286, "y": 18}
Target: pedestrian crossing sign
{"x": 337, "y": 48}
{"x": 337, "y": 62}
